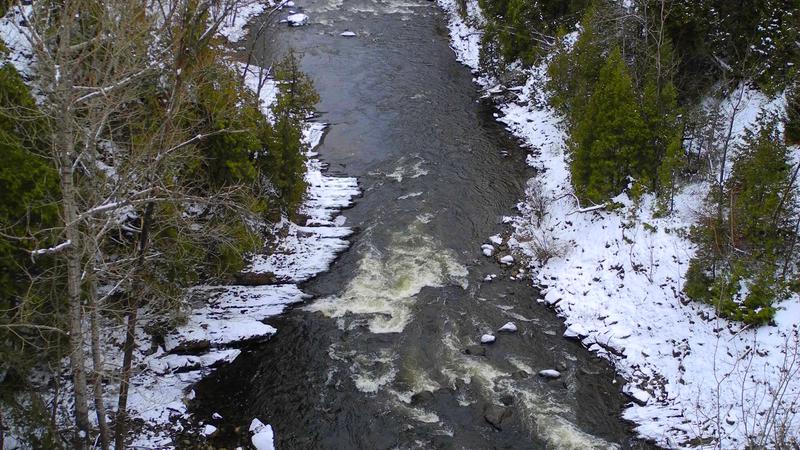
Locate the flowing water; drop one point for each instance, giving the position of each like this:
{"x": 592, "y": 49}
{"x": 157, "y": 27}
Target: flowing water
{"x": 377, "y": 359}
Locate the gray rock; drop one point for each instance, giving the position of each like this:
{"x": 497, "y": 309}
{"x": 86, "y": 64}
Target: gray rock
{"x": 475, "y": 350}
{"x": 495, "y": 415}
{"x": 421, "y": 397}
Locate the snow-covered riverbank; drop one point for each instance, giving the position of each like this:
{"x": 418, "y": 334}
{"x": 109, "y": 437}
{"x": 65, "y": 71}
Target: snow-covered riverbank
{"x": 225, "y": 317}
{"x": 219, "y": 319}
{"x": 618, "y": 286}
{"x": 228, "y": 316}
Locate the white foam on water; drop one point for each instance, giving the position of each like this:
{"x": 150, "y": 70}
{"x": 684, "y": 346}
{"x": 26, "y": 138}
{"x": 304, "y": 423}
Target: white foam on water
{"x": 540, "y": 414}
{"x": 406, "y": 170}
{"x": 383, "y": 292}
{"x": 424, "y": 218}
{"x": 369, "y": 371}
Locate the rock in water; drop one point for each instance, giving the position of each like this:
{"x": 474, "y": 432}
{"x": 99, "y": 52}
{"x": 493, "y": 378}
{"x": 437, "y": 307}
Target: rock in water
{"x": 487, "y": 339}
{"x": 421, "y": 397}
{"x": 475, "y": 350}
{"x": 297, "y": 20}
{"x": 495, "y": 415}
{"x": 348, "y": 33}
{"x": 507, "y": 260}
{"x": 209, "y": 430}
{"x": 488, "y": 249}
{"x": 510, "y": 327}
{"x": 549, "y": 373}
{"x": 262, "y": 435}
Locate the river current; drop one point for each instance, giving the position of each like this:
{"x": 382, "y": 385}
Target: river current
{"x": 386, "y": 355}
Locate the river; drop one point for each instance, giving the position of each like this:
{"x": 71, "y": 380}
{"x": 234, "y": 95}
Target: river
{"x": 377, "y": 359}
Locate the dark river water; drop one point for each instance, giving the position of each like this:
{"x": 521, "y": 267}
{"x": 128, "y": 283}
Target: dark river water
{"x": 377, "y": 359}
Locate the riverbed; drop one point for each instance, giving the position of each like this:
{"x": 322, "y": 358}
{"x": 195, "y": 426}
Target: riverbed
{"x": 387, "y": 353}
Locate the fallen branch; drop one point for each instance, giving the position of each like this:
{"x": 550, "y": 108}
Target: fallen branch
{"x": 580, "y": 208}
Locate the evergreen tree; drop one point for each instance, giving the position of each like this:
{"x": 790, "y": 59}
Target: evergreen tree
{"x": 572, "y": 74}
{"x": 609, "y": 141}
{"x": 749, "y": 243}
{"x": 285, "y": 162}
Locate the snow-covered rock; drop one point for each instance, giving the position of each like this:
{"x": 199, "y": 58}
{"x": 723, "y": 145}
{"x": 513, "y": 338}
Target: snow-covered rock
{"x": 297, "y": 19}
{"x": 262, "y": 435}
{"x": 640, "y": 396}
{"x": 509, "y": 327}
{"x": 496, "y": 239}
{"x": 576, "y": 331}
{"x": 488, "y": 250}
{"x": 487, "y": 339}
{"x": 507, "y": 260}
{"x": 549, "y": 373}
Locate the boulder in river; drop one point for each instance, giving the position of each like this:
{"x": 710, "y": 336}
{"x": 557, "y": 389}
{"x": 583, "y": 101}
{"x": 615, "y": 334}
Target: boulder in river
{"x": 509, "y": 327}
{"x": 297, "y": 20}
{"x": 209, "y": 431}
{"x": 347, "y": 33}
{"x": 495, "y": 415}
{"x": 507, "y": 260}
{"x": 549, "y": 373}
{"x": 487, "y": 339}
{"x": 488, "y": 250}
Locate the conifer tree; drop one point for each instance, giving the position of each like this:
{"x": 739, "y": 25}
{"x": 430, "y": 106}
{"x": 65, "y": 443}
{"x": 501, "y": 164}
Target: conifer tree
{"x": 750, "y": 241}
{"x": 609, "y": 140}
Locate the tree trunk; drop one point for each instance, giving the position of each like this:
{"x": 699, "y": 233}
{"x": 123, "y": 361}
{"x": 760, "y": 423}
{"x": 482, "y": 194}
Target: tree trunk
{"x": 97, "y": 366}
{"x": 77, "y": 356}
{"x": 130, "y": 338}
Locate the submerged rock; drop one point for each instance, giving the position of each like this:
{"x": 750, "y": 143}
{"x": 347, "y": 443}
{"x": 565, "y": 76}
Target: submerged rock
{"x": 421, "y": 397}
{"x": 495, "y": 415}
{"x": 475, "y": 350}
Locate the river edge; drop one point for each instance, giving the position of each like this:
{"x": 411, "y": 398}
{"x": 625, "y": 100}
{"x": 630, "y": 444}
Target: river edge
{"x": 231, "y": 317}
{"x": 222, "y": 318}
{"x": 691, "y": 376}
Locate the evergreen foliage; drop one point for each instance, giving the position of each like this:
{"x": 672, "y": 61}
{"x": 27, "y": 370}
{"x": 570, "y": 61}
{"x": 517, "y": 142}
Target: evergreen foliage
{"x": 610, "y": 139}
{"x": 573, "y": 72}
{"x": 523, "y": 29}
{"x": 753, "y": 39}
{"x": 792, "y": 124}
{"x": 28, "y": 188}
{"x": 285, "y": 162}
{"x": 746, "y": 240}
